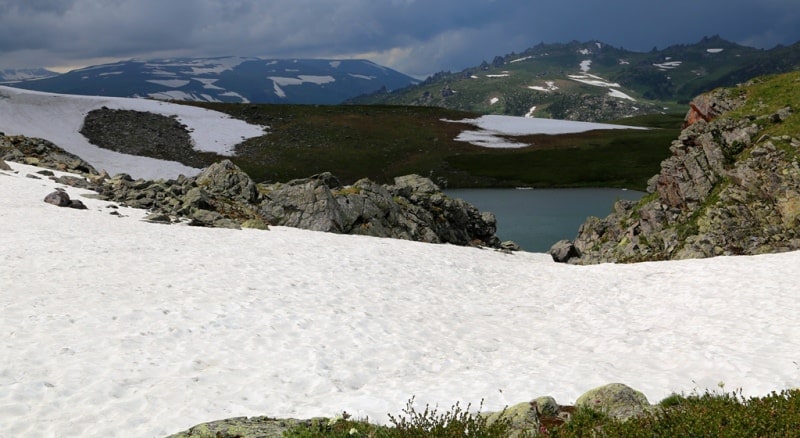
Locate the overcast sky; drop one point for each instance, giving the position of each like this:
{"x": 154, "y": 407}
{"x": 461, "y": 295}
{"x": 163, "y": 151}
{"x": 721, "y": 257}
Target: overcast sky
{"x": 417, "y": 37}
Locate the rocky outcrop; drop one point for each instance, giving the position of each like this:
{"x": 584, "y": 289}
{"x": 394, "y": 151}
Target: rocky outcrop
{"x": 533, "y": 418}
{"x": 413, "y": 208}
{"x": 242, "y": 427}
{"x": 222, "y": 195}
{"x": 731, "y": 186}
{"x": 615, "y": 400}
{"x": 42, "y": 153}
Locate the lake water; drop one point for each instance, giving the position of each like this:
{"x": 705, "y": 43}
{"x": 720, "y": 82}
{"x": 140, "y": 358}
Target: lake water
{"x": 538, "y": 218}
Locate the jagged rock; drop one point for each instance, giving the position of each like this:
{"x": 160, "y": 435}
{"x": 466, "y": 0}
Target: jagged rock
{"x": 304, "y": 203}
{"x": 227, "y": 180}
{"x": 4, "y": 166}
{"x": 39, "y": 152}
{"x": 563, "y": 250}
{"x": 617, "y": 400}
{"x": 73, "y": 181}
{"x": 727, "y": 189}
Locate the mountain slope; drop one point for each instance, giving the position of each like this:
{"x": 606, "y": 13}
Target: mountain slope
{"x": 24, "y": 74}
{"x": 594, "y": 81}
{"x": 232, "y": 79}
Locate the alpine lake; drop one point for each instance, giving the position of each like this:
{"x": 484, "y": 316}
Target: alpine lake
{"x": 537, "y": 218}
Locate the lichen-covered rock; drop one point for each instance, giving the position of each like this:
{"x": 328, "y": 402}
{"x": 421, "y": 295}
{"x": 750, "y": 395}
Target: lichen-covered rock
{"x": 617, "y": 400}
{"x": 228, "y": 180}
{"x": 729, "y": 188}
{"x": 523, "y": 419}
{"x": 242, "y": 427}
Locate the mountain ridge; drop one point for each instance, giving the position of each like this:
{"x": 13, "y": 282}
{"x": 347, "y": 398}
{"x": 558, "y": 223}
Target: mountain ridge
{"x": 592, "y": 80}
{"x": 227, "y": 79}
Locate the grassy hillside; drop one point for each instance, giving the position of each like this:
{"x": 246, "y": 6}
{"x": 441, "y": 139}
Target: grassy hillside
{"x": 583, "y": 80}
{"x": 381, "y": 142}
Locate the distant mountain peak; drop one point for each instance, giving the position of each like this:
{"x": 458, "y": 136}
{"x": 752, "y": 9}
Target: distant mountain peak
{"x": 229, "y": 79}
{"x": 552, "y": 80}
{"x": 24, "y": 74}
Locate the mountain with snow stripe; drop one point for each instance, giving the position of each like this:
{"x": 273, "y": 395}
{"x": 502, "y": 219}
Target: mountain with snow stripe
{"x": 24, "y": 74}
{"x": 228, "y": 79}
{"x": 594, "y": 81}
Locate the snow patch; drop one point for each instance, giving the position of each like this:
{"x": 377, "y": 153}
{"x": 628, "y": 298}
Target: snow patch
{"x": 301, "y": 79}
{"x": 59, "y": 117}
{"x": 365, "y": 77}
{"x": 116, "y": 327}
{"x": 549, "y": 86}
{"x": 335, "y": 64}
{"x": 494, "y": 129}
{"x": 235, "y": 94}
{"x": 278, "y": 90}
{"x": 714, "y": 50}
{"x": 531, "y": 111}
{"x": 208, "y": 83}
{"x": 503, "y": 75}
{"x": 585, "y": 52}
{"x": 620, "y": 95}
{"x": 171, "y": 83}
{"x": 669, "y": 65}
{"x": 594, "y": 80}
{"x": 586, "y": 65}
{"x": 494, "y": 100}
{"x": 520, "y": 59}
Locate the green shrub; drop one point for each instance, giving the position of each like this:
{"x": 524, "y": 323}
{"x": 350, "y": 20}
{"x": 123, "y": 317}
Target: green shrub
{"x": 708, "y": 415}
{"x": 455, "y": 423}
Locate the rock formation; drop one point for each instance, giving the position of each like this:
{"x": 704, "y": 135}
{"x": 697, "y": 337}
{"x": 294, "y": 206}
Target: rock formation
{"x": 532, "y": 418}
{"x": 731, "y": 186}
{"x": 222, "y": 195}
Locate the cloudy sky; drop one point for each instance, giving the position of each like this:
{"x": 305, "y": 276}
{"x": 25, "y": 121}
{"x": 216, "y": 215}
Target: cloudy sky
{"x": 417, "y": 37}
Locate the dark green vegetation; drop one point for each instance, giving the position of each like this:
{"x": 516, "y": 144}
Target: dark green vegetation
{"x": 707, "y": 415}
{"x": 668, "y": 77}
{"x": 455, "y": 423}
{"x": 381, "y": 142}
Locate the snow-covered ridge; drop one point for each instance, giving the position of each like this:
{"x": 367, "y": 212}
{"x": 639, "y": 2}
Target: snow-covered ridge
{"x": 116, "y": 327}
{"x": 58, "y": 118}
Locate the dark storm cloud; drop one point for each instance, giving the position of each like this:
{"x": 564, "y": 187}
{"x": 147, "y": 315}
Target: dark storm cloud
{"x": 415, "y": 36}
